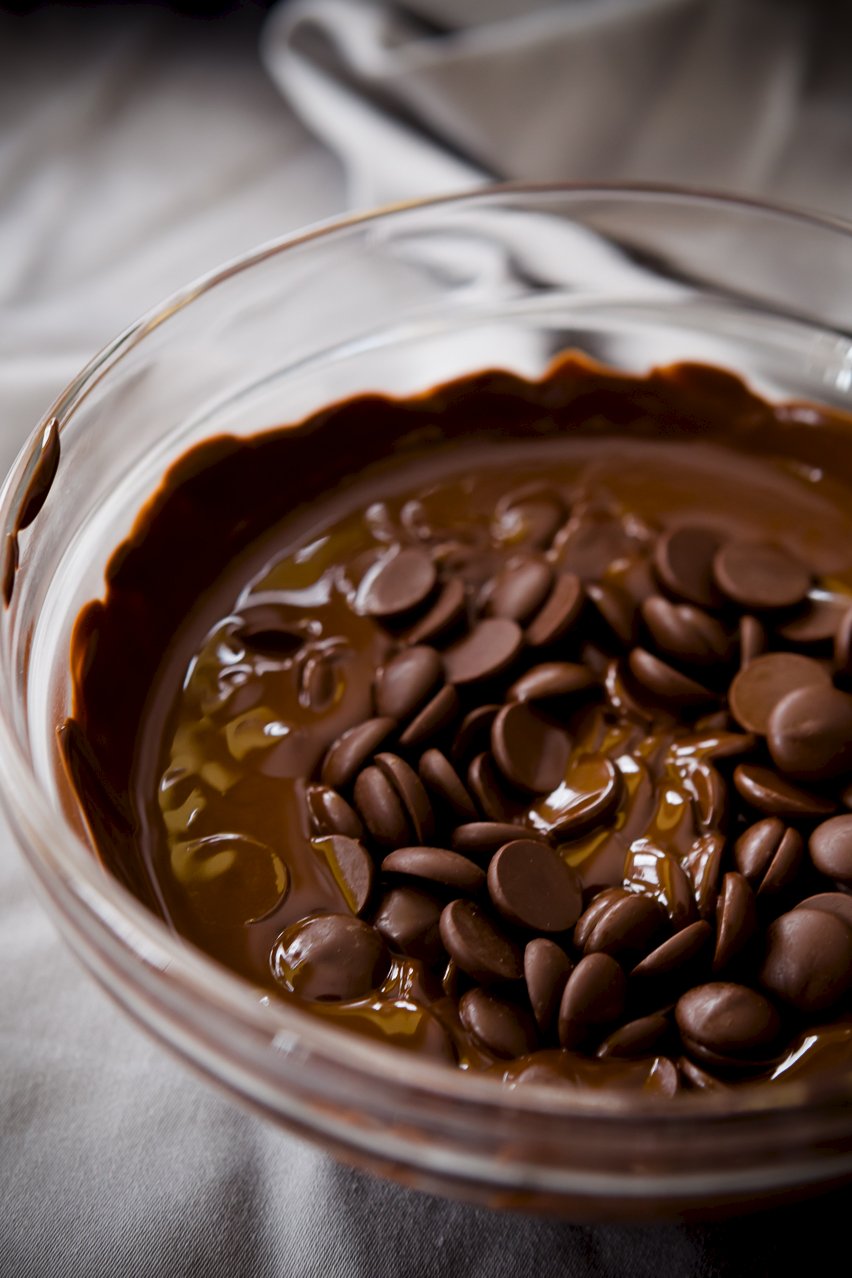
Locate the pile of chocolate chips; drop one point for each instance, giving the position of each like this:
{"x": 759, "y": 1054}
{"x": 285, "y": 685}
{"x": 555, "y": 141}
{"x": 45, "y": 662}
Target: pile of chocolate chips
{"x": 479, "y": 825}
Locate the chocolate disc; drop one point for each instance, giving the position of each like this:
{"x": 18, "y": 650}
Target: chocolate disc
{"x": 594, "y": 995}
{"x": 629, "y": 925}
{"x": 679, "y": 952}
{"x": 445, "y": 787}
{"x": 830, "y": 847}
{"x": 436, "y": 865}
{"x": 501, "y": 1027}
{"x": 736, "y": 920}
{"x": 520, "y": 590}
{"x": 409, "y": 920}
{"x": 816, "y": 623}
{"x": 484, "y": 838}
{"x": 636, "y": 1039}
{"x": 530, "y": 752}
{"x": 666, "y": 684}
{"x": 477, "y": 944}
{"x": 436, "y": 717}
{"x": 769, "y": 855}
{"x": 351, "y": 868}
{"x": 768, "y": 792}
{"x": 380, "y": 809}
{"x": 474, "y": 733}
{"x": 559, "y": 612}
{"x": 760, "y": 576}
{"x": 443, "y": 617}
{"x": 330, "y": 957}
{"x": 553, "y": 681}
{"x": 488, "y": 650}
{"x": 839, "y": 903}
{"x": 807, "y": 961}
{"x": 331, "y": 814}
{"x": 682, "y": 632}
{"x": 728, "y": 1019}
{"x": 616, "y": 610}
{"x": 348, "y": 754}
{"x": 683, "y": 558}
{"x": 406, "y": 681}
{"x": 756, "y": 690}
{"x": 532, "y": 887}
{"x": 809, "y": 733}
{"x": 546, "y": 971}
{"x": 401, "y": 583}
{"x": 486, "y": 784}
{"x": 411, "y": 792}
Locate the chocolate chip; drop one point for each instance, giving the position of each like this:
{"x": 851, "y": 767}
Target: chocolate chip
{"x": 488, "y": 650}
{"x": 413, "y": 796}
{"x": 437, "y": 716}
{"x": 546, "y": 971}
{"x": 404, "y": 683}
{"x": 760, "y": 576}
{"x": 628, "y": 926}
{"x": 736, "y": 920}
{"x": 830, "y": 846}
{"x": 498, "y": 1025}
{"x": 809, "y": 733}
{"x": 474, "y": 734}
{"x": 636, "y": 1039}
{"x": 9, "y": 566}
{"x": 807, "y": 961}
{"x": 603, "y": 864}
{"x": 553, "y": 682}
{"x": 409, "y": 920}
{"x": 670, "y": 686}
{"x": 685, "y": 633}
{"x": 716, "y": 745}
{"x": 486, "y": 785}
{"x": 683, "y": 558}
{"x": 839, "y": 903}
{"x": 484, "y": 838}
{"x": 401, "y": 583}
{"x": 816, "y": 624}
{"x": 727, "y": 1019}
{"x": 753, "y": 640}
{"x": 677, "y": 954}
{"x": 520, "y": 590}
{"x": 529, "y": 517}
{"x": 331, "y": 814}
{"x": 559, "y": 612}
{"x": 532, "y": 887}
{"x": 588, "y": 795}
{"x": 348, "y": 754}
{"x": 437, "y": 865}
{"x": 350, "y": 866}
{"x": 445, "y": 787}
{"x": 588, "y": 546}
{"x": 531, "y": 753}
{"x": 616, "y": 609}
{"x": 704, "y": 867}
{"x": 765, "y": 790}
{"x": 769, "y": 855}
{"x": 443, "y": 617}
{"x": 306, "y": 958}
{"x": 756, "y": 690}
{"x": 594, "y": 996}
{"x": 698, "y": 1078}
{"x": 380, "y": 809}
{"x": 594, "y": 911}
{"x": 478, "y": 946}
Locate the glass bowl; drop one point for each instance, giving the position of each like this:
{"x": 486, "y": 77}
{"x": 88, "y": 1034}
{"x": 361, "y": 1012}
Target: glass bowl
{"x": 397, "y": 301}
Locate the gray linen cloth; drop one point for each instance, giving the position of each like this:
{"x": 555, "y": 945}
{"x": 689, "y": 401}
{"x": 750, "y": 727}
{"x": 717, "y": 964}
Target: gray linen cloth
{"x": 137, "y": 151}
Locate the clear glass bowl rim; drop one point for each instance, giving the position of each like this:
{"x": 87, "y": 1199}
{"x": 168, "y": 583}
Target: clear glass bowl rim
{"x": 67, "y": 868}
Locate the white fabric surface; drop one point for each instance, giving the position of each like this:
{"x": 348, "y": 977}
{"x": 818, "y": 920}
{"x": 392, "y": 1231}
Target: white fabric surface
{"x": 137, "y": 151}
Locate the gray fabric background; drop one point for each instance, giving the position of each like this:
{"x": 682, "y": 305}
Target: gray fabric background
{"x": 136, "y": 151}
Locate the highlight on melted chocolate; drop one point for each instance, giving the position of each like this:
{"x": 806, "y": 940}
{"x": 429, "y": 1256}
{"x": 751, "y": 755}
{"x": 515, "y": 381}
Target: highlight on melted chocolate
{"x": 510, "y": 724}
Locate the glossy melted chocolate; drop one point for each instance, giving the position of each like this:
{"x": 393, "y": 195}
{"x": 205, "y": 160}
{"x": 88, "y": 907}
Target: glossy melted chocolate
{"x": 531, "y": 535}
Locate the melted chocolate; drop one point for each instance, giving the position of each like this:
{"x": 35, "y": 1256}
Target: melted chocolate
{"x": 239, "y": 637}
